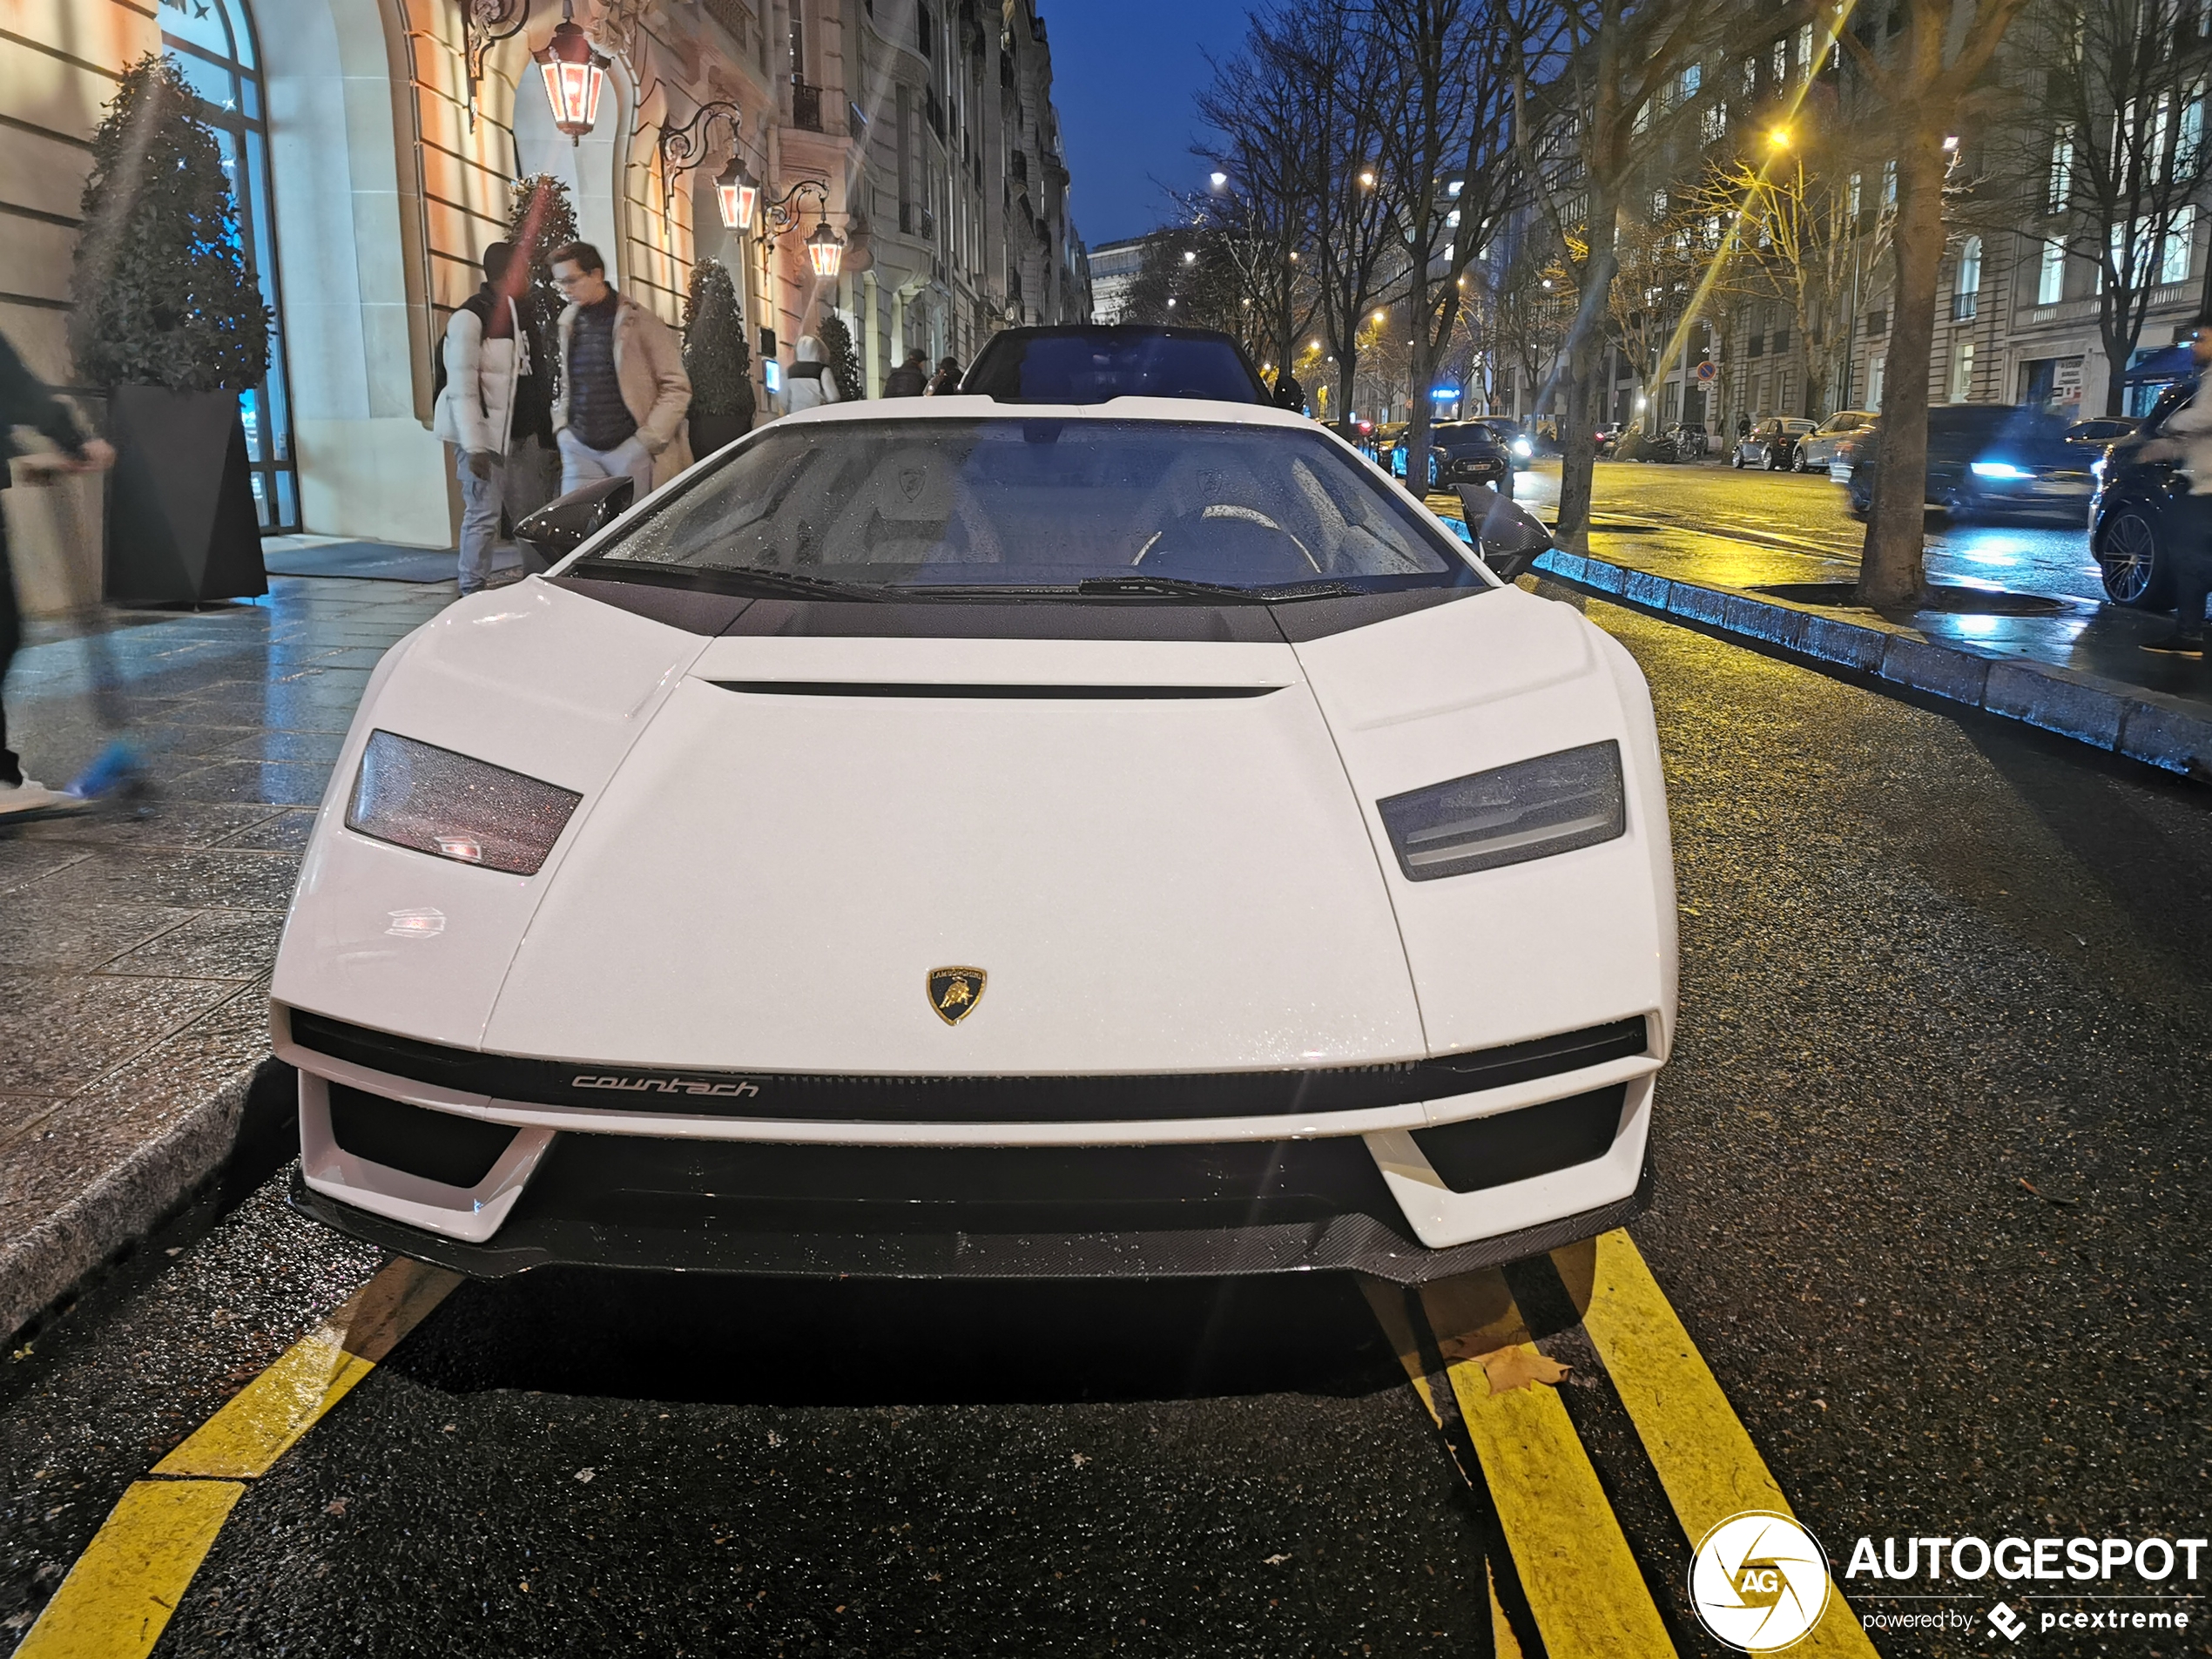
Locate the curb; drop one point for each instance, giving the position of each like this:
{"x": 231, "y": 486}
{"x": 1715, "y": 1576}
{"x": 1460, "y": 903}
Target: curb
{"x": 2162, "y": 731}
{"x": 40, "y": 1267}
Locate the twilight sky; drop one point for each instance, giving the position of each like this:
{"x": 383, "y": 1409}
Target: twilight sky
{"x": 1125, "y": 73}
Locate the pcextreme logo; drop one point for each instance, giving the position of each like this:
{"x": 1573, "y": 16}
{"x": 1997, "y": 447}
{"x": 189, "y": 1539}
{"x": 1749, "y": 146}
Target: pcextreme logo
{"x": 1759, "y": 1581}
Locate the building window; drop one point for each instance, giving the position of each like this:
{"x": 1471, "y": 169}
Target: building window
{"x": 798, "y": 40}
{"x": 1854, "y": 188}
{"x": 2050, "y": 274}
{"x": 212, "y": 40}
{"x": 1780, "y": 56}
{"x": 1804, "y": 50}
{"x": 1962, "y": 371}
{"x": 1965, "y": 294}
{"x": 2060, "y": 190}
{"x": 2181, "y": 240}
{"x": 1750, "y": 80}
{"x": 1889, "y": 183}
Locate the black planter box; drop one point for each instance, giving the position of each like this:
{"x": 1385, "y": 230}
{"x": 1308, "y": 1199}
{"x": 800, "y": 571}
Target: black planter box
{"x": 181, "y": 528}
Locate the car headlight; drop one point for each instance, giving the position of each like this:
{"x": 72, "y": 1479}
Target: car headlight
{"x": 1524, "y": 449}
{"x": 433, "y": 800}
{"x": 2097, "y": 468}
{"x": 1509, "y": 814}
{"x": 1999, "y": 469}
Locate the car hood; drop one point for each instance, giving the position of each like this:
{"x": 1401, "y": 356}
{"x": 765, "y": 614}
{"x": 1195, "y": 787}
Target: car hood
{"x": 1162, "y": 855}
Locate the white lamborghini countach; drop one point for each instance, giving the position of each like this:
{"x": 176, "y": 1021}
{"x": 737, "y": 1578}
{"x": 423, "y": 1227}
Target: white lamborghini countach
{"x": 965, "y": 837}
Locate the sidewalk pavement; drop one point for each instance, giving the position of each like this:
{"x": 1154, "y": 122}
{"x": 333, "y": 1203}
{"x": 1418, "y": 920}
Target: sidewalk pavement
{"x": 135, "y": 951}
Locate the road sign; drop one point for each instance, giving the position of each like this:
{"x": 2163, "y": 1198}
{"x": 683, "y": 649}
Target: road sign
{"x": 1708, "y": 373}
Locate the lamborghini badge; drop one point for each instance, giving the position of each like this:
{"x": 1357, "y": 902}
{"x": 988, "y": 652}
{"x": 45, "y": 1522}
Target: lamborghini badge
{"x": 953, "y": 992}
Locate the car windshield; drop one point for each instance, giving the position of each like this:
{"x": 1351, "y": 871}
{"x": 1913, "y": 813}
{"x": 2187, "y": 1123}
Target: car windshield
{"x": 1043, "y": 504}
{"x": 1096, "y": 365}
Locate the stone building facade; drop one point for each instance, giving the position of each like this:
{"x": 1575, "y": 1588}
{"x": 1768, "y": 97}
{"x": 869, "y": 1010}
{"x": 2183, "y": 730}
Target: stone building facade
{"x": 373, "y": 145}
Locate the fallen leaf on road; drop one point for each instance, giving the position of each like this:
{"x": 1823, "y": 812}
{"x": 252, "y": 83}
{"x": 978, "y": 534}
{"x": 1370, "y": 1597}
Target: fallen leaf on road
{"x": 2063, "y": 1204}
{"x": 1274, "y": 1561}
{"x": 1520, "y": 1366}
{"x": 585, "y": 1475}
{"x": 335, "y": 1507}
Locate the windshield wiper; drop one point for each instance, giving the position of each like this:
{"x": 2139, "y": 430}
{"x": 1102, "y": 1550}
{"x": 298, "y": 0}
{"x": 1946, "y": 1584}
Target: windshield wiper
{"x": 791, "y": 585}
{"x": 1171, "y": 586}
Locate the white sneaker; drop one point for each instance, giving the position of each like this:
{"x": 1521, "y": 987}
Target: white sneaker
{"x": 31, "y": 798}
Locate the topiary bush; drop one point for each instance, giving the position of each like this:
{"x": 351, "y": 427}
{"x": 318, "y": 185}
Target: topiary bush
{"x": 715, "y": 356}
{"x": 837, "y": 352}
{"x": 163, "y": 296}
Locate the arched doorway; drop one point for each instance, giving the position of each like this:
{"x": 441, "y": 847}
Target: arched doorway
{"x": 213, "y": 41}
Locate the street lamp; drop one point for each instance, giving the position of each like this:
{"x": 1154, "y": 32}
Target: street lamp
{"x": 826, "y": 248}
{"x": 1779, "y": 137}
{"x": 1367, "y": 180}
{"x": 737, "y": 194}
{"x": 575, "y": 75}
{"x": 1218, "y": 179}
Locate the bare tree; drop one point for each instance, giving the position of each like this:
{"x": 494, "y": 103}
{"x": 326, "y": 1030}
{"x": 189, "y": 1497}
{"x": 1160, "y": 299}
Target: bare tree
{"x": 1450, "y": 155}
{"x": 1260, "y": 123}
{"x": 1918, "y": 84}
{"x": 2105, "y": 143}
{"x": 1585, "y": 72}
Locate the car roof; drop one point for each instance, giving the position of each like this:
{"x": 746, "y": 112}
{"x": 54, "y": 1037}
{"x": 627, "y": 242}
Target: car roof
{"x": 990, "y": 359}
{"x": 967, "y": 407}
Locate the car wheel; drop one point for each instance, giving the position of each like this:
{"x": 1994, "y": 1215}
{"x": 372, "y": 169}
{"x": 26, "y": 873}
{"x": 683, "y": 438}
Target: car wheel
{"x": 2127, "y": 557}
{"x": 1804, "y": 462}
{"x": 1736, "y": 460}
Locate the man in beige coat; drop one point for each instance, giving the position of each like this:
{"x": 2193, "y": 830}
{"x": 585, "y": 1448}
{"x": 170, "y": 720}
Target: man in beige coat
{"x": 623, "y": 391}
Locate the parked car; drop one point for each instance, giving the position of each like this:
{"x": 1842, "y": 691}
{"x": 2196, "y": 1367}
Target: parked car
{"x": 1461, "y": 452}
{"x": 2131, "y": 518}
{"x": 1994, "y": 460}
{"x": 1608, "y": 436}
{"x": 1816, "y": 451}
{"x": 870, "y": 855}
{"x": 1771, "y": 443}
{"x": 1091, "y": 363}
{"x": 1520, "y": 443}
{"x": 2102, "y": 429}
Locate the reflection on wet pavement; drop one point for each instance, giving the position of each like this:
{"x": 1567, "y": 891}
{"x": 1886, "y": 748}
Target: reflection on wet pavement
{"x": 1720, "y": 528}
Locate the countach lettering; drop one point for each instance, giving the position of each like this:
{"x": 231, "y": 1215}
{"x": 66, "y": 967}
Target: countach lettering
{"x": 665, "y": 1086}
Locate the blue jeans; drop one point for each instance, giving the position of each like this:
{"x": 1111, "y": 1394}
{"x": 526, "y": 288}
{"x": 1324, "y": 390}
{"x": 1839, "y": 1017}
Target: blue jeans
{"x": 512, "y": 486}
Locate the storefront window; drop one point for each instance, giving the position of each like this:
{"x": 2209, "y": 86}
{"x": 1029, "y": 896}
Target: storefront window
{"x": 212, "y": 42}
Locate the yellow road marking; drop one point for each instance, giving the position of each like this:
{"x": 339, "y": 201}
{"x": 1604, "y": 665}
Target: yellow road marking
{"x": 1704, "y": 1458}
{"x": 1577, "y": 1569}
{"x": 269, "y": 1414}
{"x": 119, "y": 1594}
{"x": 118, "y": 1598}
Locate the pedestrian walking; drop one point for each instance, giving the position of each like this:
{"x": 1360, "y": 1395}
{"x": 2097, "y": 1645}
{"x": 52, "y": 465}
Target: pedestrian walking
{"x": 2187, "y": 437}
{"x": 25, "y": 402}
{"x": 810, "y": 384}
{"x": 494, "y": 406}
{"x": 1742, "y": 426}
{"x": 623, "y": 391}
{"x": 947, "y": 379}
{"x": 911, "y": 378}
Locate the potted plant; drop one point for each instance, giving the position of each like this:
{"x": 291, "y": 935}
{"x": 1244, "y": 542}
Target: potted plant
{"x": 169, "y": 320}
{"x": 715, "y": 358}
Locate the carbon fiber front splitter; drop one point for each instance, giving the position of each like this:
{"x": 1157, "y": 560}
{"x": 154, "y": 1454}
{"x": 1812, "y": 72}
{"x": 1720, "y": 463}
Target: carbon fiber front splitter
{"x": 1350, "y": 1242}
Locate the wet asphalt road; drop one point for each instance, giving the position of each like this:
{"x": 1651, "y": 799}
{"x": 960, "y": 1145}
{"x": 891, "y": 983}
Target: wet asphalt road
{"x": 1928, "y": 964}
{"x": 2047, "y": 555}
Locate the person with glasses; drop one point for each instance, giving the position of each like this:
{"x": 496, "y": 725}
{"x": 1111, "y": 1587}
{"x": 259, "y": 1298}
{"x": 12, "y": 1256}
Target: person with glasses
{"x": 623, "y": 391}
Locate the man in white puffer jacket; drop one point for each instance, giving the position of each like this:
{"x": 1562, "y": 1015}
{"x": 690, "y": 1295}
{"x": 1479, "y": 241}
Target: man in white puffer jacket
{"x": 492, "y": 404}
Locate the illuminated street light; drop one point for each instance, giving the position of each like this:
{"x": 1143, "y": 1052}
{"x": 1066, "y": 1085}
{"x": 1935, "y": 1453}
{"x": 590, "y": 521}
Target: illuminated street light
{"x": 1779, "y": 137}
{"x": 1367, "y": 180}
{"x": 1218, "y": 178}
{"x": 1189, "y": 256}
{"x": 825, "y": 249}
{"x": 737, "y": 195}
{"x": 1951, "y": 144}
{"x": 575, "y": 75}
{"x": 1380, "y": 315}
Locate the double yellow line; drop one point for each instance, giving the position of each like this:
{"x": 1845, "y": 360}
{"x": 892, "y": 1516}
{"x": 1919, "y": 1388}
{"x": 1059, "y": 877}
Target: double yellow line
{"x": 119, "y": 1597}
{"x": 1585, "y": 1593}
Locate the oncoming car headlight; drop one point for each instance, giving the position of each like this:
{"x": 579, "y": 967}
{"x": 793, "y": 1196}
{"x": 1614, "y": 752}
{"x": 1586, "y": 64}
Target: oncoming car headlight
{"x": 1999, "y": 469}
{"x": 433, "y": 800}
{"x": 1509, "y": 814}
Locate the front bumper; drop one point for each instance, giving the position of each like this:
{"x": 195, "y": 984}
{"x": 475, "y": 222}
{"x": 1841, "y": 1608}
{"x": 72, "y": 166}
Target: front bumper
{"x": 1356, "y": 1242}
{"x": 1387, "y": 1169}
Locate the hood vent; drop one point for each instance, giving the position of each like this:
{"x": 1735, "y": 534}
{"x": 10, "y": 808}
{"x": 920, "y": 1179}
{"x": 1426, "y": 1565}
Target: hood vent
{"x": 1047, "y": 693}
